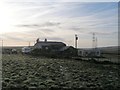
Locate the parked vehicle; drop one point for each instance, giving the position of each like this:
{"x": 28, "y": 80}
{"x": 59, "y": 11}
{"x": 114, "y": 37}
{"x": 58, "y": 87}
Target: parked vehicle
{"x": 26, "y": 50}
{"x": 14, "y": 51}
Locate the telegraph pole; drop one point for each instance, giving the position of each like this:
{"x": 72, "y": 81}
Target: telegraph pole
{"x": 93, "y": 46}
{"x": 96, "y": 43}
{"x": 29, "y": 44}
{"x": 1, "y": 51}
{"x": 2, "y": 43}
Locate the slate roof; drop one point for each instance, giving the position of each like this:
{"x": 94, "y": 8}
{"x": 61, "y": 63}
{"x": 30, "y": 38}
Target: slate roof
{"x": 49, "y": 43}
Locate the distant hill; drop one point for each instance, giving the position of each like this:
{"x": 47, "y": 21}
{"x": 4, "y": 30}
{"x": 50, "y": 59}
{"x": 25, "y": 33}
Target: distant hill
{"x": 13, "y": 47}
{"x": 110, "y": 50}
{"x": 105, "y": 50}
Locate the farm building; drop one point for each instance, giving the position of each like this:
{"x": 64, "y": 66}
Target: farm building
{"x": 49, "y": 45}
{"x": 68, "y": 51}
{"x": 53, "y": 48}
{"x": 89, "y": 52}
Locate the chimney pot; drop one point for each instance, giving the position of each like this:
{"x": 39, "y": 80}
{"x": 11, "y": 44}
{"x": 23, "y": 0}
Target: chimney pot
{"x": 45, "y": 40}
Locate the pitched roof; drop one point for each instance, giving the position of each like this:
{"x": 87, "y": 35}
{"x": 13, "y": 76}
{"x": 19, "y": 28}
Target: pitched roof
{"x": 49, "y": 43}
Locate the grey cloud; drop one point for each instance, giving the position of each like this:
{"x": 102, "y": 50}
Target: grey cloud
{"x": 53, "y": 38}
{"x": 103, "y": 33}
{"x": 17, "y": 38}
{"x": 114, "y": 32}
{"x": 41, "y": 30}
{"x": 46, "y": 24}
{"x": 47, "y": 30}
{"x": 29, "y": 25}
{"x": 51, "y": 24}
{"x": 76, "y": 29}
{"x": 79, "y": 29}
{"x": 13, "y": 38}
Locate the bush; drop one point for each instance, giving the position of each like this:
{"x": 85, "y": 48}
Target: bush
{"x": 54, "y": 54}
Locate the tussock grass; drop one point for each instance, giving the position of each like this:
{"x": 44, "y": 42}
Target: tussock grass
{"x": 24, "y": 71}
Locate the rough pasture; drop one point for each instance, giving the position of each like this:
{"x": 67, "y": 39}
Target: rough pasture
{"x": 22, "y": 71}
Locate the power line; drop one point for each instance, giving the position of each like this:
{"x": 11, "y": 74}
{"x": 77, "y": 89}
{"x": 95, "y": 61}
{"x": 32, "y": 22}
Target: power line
{"x": 96, "y": 43}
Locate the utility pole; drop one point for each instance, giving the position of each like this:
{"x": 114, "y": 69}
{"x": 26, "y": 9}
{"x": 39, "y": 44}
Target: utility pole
{"x": 29, "y": 44}
{"x": 96, "y": 43}
{"x": 1, "y": 48}
{"x": 76, "y": 38}
{"x": 93, "y": 45}
{"x": 2, "y": 43}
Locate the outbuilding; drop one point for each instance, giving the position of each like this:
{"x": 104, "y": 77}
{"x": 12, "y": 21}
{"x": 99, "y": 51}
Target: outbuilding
{"x": 89, "y": 52}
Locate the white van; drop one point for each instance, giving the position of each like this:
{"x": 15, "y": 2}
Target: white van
{"x": 26, "y": 50}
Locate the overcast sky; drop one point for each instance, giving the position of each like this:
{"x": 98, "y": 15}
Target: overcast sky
{"x": 26, "y": 20}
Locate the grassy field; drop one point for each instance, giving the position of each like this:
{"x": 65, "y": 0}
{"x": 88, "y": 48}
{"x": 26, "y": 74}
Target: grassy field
{"x": 22, "y": 71}
{"x": 112, "y": 57}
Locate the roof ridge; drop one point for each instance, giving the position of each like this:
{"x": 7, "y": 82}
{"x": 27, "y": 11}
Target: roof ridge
{"x": 49, "y": 41}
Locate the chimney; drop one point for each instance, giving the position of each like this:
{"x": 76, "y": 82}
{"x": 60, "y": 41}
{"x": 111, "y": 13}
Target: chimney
{"x": 76, "y": 38}
{"x": 45, "y": 40}
{"x": 37, "y": 40}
